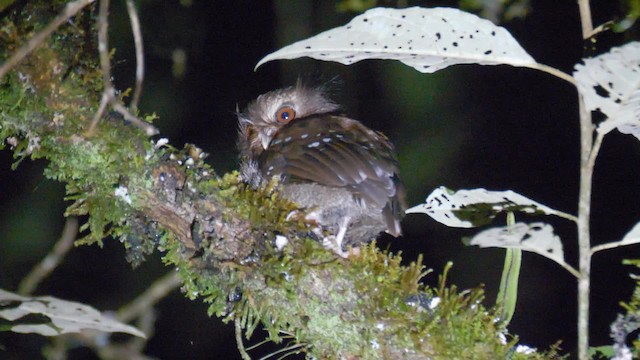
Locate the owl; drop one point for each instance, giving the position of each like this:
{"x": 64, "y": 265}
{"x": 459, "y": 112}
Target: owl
{"x": 342, "y": 173}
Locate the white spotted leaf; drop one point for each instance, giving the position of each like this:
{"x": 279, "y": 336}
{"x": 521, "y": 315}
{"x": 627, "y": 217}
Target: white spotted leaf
{"x": 535, "y": 237}
{"x": 611, "y": 83}
{"x": 476, "y": 207}
{"x": 49, "y": 316}
{"x": 426, "y": 39}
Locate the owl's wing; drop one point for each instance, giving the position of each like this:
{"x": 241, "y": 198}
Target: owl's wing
{"x": 338, "y": 151}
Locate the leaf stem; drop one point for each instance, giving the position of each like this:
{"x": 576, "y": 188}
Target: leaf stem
{"x": 567, "y": 216}
{"x": 613, "y": 245}
{"x": 553, "y": 71}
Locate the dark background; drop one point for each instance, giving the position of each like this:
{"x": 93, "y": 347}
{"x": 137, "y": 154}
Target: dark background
{"x": 469, "y": 126}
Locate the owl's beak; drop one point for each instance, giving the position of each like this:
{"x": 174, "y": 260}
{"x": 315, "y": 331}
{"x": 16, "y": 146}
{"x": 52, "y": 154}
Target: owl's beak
{"x": 265, "y": 138}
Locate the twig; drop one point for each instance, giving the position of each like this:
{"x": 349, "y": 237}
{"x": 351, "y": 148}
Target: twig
{"x": 588, "y": 154}
{"x": 52, "y": 260}
{"x": 285, "y": 349}
{"x": 149, "y": 129}
{"x": 146, "y": 323}
{"x": 70, "y": 10}
{"x": 241, "y": 349}
{"x": 108, "y": 93}
{"x": 159, "y": 289}
{"x": 104, "y": 102}
{"x": 105, "y": 63}
{"x": 585, "y": 18}
{"x": 137, "y": 40}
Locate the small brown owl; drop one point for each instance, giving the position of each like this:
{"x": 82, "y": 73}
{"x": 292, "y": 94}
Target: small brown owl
{"x": 343, "y": 173}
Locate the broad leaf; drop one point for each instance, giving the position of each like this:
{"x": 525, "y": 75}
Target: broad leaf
{"x": 426, "y": 39}
{"x": 535, "y": 237}
{"x": 611, "y": 83}
{"x": 50, "y": 316}
{"x": 476, "y": 207}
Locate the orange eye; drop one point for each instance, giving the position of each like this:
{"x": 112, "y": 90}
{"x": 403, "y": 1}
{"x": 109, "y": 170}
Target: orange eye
{"x": 285, "y": 114}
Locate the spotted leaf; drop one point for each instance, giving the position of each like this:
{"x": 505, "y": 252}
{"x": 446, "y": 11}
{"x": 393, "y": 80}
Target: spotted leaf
{"x": 535, "y": 237}
{"x": 49, "y": 316}
{"x": 476, "y": 207}
{"x": 611, "y": 83}
{"x": 426, "y": 39}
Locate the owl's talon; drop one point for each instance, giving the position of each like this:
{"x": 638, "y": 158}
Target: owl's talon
{"x": 330, "y": 243}
{"x": 292, "y": 215}
{"x": 342, "y": 231}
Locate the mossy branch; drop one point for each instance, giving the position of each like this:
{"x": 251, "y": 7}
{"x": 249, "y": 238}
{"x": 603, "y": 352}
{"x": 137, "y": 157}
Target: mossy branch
{"x": 217, "y": 231}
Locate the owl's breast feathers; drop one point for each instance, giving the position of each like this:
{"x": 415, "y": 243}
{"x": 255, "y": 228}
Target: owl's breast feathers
{"x": 336, "y": 151}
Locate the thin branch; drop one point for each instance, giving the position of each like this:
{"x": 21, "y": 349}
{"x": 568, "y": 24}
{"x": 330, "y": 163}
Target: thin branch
{"x": 146, "y": 323}
{"x": 108, "y": 94}
{"x": 254, "y": 346}
{"x": 105, "y": 63}
{"x": 241, "y": 348}
{"x": 585, "y": 18}
{"x": 286, "y": 348}
{"x": 137, "y": 40}
{"x": 158, "y": 290}
{"x": 70, "y": 10}
{"x": 104, "y": 102}
{"x": 52, "y": 260}
{"x": 588, "y": 153}
{"x": 149, "y": 129}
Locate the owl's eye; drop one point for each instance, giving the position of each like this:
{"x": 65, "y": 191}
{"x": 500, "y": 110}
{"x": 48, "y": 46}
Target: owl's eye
{"x": 285, "y": 114}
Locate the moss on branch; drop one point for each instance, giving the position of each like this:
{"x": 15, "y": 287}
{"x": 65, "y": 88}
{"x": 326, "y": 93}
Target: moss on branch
{"x": 217, "y": 231}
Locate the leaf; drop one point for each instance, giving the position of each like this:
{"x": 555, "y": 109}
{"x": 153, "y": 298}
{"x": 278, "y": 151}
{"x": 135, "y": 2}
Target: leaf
{"x": 535, "y": 237}
{"x": 49, "y": 316}
{"x": 426, "y": 39}
{"x": 611, "y": 83}
{"x": 476, "y": 207}
{"x": 508, "y": 291}
{"x": 632, "y": 237}
{"x": 606, "y": 351}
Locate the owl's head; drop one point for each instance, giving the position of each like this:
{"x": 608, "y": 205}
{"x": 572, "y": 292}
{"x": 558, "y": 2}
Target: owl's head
{"x": 269, "y": 112}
